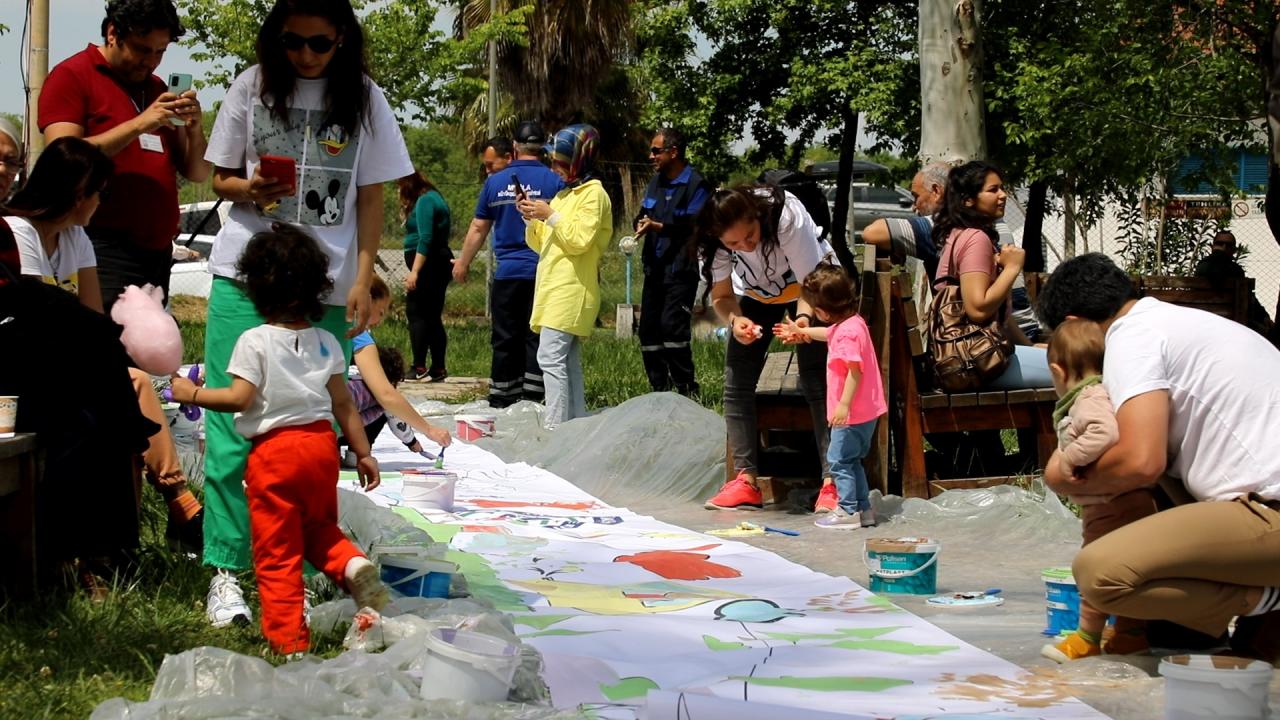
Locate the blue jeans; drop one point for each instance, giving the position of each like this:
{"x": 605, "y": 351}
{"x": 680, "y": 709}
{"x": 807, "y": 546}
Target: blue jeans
{"x": 1028, "y": 368}
{"x": 849, "y": 444}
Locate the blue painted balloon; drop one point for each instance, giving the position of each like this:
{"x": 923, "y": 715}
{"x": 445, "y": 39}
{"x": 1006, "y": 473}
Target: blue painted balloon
{"x": 754, "y": 611}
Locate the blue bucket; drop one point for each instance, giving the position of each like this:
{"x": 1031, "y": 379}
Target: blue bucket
{"x": 417, "y": 576}
{"x": 906, "y": 566}
{"x": 1062, "y": 601}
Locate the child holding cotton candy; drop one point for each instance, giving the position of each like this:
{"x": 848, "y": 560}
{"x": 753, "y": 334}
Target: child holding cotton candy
{"x": 288, "y": 385}
{"x": 1086, "y": 424}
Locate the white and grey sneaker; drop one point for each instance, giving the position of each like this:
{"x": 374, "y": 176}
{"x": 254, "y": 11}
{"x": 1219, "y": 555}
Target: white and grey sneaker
{"x": 225, "y": 604}
{"x": 365, "y": 584}
{"x": 839, "y": 519}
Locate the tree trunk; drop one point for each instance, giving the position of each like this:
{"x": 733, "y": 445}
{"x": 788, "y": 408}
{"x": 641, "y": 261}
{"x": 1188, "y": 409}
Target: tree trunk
{"x": 952, "y": 125}
{"x": 839, "y": 232}
{"x": 1033, "y": 230}
{"x": 1068, "y": 225}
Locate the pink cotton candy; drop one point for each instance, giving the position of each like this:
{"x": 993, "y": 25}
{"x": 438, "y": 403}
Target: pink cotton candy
{"x": 150, "y": 335}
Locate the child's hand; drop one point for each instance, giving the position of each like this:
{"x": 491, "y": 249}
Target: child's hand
{"x": 839, "y": 415}
{"x": 745, "y": 331}
{"x": 367, "y": 471}
{"x": 440, "y": 436}
{"x": 789, "y": 332}
{"x": 182, "y": 389}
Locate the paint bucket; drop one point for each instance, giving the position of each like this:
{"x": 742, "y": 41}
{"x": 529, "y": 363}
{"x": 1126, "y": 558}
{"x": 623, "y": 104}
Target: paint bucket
{"x": 416, "y": 575}
{"x": 473, "y": 427}
{"x": 470, "y": 666}
{"x": 1218, "y": 687}
{"x": 429, "y": 489}
{"x": 1062, "y": 601}
{"x": 902, "y": 565}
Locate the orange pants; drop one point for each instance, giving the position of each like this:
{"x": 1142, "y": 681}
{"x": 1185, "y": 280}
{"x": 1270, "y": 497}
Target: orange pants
{"x": 291, "y": 484}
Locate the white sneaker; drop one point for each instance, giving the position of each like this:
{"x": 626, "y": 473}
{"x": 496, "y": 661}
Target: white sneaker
{"x": 838, "y": 519}
{"x": 365, "y": 584}
{"x": 349, "y": 460}
{"x": 225, "y": 604}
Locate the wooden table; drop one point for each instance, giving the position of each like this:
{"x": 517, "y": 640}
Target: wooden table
{"x": 21, "y": 465}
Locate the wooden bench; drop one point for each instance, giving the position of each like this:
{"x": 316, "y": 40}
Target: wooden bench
{"x": 21, "y": 465}
{"x": 916, "y": 408}
{"x": 1228, "y": 298}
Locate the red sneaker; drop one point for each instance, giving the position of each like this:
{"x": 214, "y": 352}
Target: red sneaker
{"x": 826, "y": 499}
{"x": 737, "y": 494}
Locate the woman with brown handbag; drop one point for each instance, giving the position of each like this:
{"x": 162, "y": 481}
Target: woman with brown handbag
{"x": 964, "y": 230}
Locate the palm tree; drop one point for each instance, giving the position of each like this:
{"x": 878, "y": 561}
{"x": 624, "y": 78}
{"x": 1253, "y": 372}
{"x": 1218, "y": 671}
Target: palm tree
{"x": 572, "y": 46}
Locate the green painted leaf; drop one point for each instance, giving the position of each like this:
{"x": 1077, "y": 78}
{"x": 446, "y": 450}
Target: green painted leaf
{"x": 840, "y": 634}
{"x": 718, "y": 644}
{"x": 541, "y": 622}
{"x": 629, "y": 687}
{"x": 827, "y": 684}
{"x": 894, "y": 646}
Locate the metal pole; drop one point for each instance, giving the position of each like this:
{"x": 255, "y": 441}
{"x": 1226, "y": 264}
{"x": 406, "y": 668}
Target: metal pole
{"x": 37, "y": 71}
{"x": 493, "y": 131}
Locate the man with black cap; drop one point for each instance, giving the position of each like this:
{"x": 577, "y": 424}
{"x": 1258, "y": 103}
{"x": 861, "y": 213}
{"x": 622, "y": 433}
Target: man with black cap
{"x": 514, "y": 374}
{"x": 671, "y": 203}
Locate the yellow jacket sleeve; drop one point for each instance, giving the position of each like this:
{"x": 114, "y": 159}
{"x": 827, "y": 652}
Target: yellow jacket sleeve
{"x": 533, "y": 235}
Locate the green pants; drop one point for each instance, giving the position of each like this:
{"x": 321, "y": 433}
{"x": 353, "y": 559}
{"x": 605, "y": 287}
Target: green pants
{"x": 226, "y": 513}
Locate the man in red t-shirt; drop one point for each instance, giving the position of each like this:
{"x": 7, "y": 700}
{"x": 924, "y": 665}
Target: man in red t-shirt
{"x": 109, "y": 95}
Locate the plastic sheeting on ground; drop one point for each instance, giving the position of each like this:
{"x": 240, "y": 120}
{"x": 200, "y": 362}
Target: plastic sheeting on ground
{"x": 659, "y": 445}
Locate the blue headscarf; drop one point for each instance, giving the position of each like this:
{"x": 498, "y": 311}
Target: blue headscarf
{"x": 573, "y": 151}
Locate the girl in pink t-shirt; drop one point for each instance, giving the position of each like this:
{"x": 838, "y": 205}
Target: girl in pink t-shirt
{"x": 855, "y": 392}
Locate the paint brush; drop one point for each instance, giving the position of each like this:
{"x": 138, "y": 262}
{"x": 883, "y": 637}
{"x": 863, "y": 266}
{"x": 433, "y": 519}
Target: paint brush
{"x": 440, "y": 460}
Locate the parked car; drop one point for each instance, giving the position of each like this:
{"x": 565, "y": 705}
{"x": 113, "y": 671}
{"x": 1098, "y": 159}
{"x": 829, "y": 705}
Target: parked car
{"x": 191, "y": 276}
{"x": 870, "y": 202}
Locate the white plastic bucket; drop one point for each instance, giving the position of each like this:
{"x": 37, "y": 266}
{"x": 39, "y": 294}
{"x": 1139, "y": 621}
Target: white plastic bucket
{"x": 473, "y": 427}
{"x": 1197, "y": 687}
{"x": 464, "y": 665}
{"x": 429, "y": 489}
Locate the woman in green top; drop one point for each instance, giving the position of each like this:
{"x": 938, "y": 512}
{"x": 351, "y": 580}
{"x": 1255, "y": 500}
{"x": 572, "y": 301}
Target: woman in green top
{"x": 430, "y": 263}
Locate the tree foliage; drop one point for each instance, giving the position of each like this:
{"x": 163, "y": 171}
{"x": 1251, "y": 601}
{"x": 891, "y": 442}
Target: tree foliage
{"x": 784, "y": 72}
{"x": 1101, "y": 98}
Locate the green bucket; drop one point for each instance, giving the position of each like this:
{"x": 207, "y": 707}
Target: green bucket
{"x": 907, "y": 566}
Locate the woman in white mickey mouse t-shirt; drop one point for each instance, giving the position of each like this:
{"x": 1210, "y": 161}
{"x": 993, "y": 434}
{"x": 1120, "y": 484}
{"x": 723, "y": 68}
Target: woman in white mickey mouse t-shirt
{"x": 48, "y": 215}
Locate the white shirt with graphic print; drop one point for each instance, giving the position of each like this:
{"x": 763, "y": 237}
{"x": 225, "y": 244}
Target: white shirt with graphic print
{"x": 773, "y": 275}
{"x": 331, "y": 165}
{"x": 73, "y": 254}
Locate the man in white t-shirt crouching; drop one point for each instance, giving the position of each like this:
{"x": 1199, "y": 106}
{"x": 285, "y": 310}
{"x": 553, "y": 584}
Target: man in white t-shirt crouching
{"x": 1198, "y": 404}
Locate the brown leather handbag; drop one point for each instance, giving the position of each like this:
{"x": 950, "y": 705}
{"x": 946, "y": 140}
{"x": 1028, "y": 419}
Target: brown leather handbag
{"x": 966, "y": 355}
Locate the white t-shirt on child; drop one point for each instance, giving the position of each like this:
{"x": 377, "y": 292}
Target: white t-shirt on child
{"x": 331, "y": 164}
{"x": 290, "y": 369}
{"x": 73, "y": 254}
{"x": 1224, "y": 395}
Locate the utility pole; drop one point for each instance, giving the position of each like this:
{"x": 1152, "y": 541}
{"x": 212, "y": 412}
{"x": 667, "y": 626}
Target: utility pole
{"x": 37, "y": 71}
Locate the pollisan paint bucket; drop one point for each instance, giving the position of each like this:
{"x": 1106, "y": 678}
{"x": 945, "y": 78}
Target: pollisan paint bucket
{"x": 416, "y": 576}
{"x": 1061, "y": 601}
{"x": 1200, "y": 687}
{"x": 429, "y": 489}
{"x": 906, "y": 565}
{"x": 470, "y": 666}
{"x": 473, "y": 427}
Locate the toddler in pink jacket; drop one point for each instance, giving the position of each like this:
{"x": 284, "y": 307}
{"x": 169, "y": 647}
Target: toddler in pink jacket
{"x": 1086, "y": 425}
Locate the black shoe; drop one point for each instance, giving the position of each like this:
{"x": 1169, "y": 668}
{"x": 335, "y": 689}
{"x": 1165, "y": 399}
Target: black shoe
{"x": 1257, "y": 637}
{"x": 187, "y": 538}
{"x": 419, "y": 373}
{"x": 437, "y": 375}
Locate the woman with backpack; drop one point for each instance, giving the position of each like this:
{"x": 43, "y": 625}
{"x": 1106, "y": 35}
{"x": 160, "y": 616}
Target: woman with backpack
{"x": 969, "y": 255}
{"x": 761, "y": 237}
